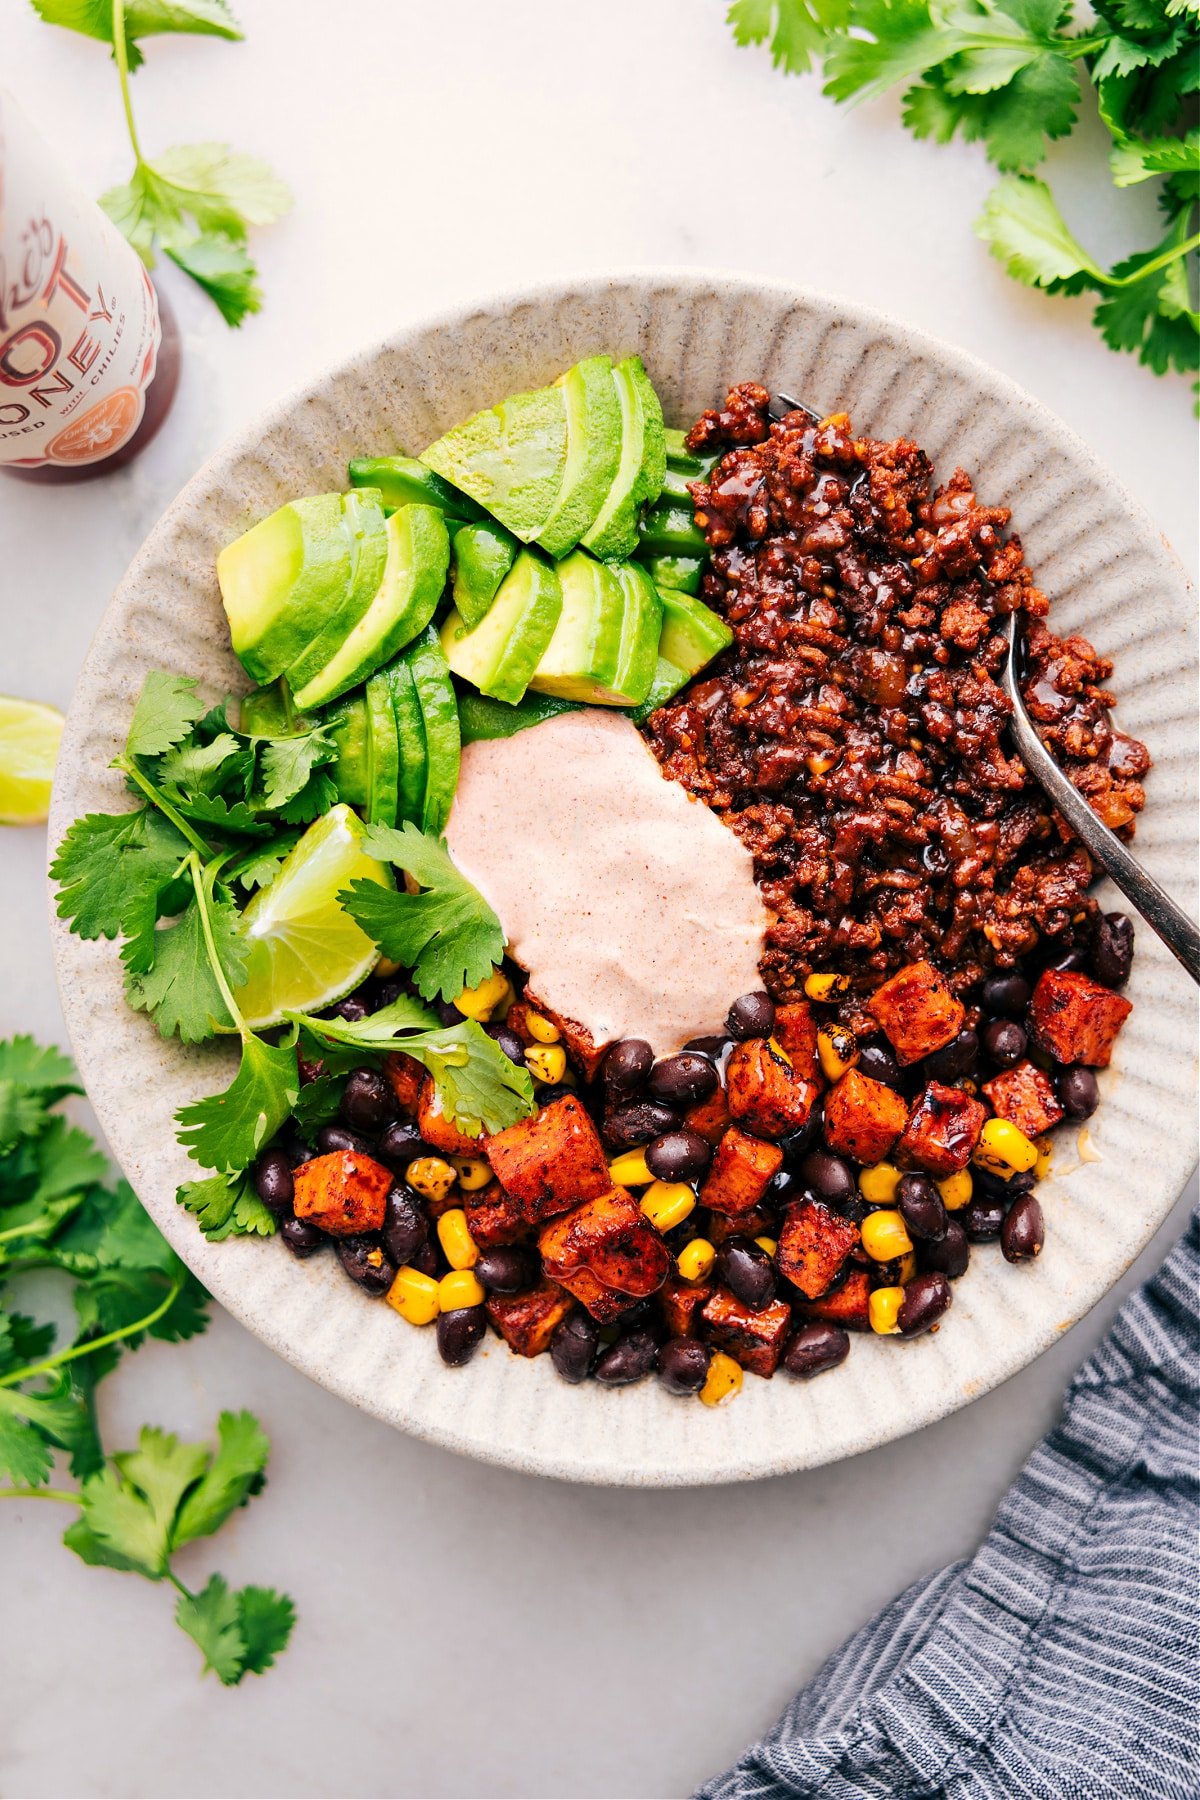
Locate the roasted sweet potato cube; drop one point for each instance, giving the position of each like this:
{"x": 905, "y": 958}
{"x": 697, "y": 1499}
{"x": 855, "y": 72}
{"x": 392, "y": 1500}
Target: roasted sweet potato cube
{"x": 740, "y": 1173}
{"x": 578, "y": 1041}
{"x": 1074, "y": 1019}
{"x": 796, "y": 1030}
{"x": 682, "y": 1302}
{"x": 766, "y": 1094}
{"x": 758, "y": 1222}
{"x": 917, "y": 1010}
{"x": 606, "y": 1304}
{"x": 754, "y": 1339}
{"x": 551, "y": 1161}
{"x": 863, "y": 1118}
{"x": 344, "y": 1193}
{"x": 407, "y": 1077}
{"x": 1025, "y": 1097}
{"x": 439, "y": 1131}
{"x": 710, "y": 1117}
{"x": 943, "y": 1131}
{"x": 813, "y": 1246}
{"x": 493, "y": 1217}
{"x": 516, "y": 1019}
{"x": 528, "y": 1321}
{"x": 847, "y": 1304}
{"x": 610, "y": 1238}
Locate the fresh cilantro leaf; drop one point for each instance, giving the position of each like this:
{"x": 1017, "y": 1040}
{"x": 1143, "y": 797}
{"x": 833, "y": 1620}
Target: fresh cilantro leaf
{"x": 108, "y": 863}
{"x": 226, "y": 1131}
{"x": 235, "y": 818}
{"x": 143, "y": 18}
{"x": 119, "y": 1521}
{"x": 285, "y": 765}
{"x": 317, "y": 795}
{"x": 794, "y": 30}
{"x": 899, "y": 41}
{"x": 261, "y": 863}
{"x": 447, "y": 935}
{"x": 29, "y": 1425}
{"x": 226, "y": 1206}
{"x": 211, "y": 1619}
{"x": 167, "y": 708}
{"x": 181, "y": 989}
{"x": 22, "y": 1340}
{"x": 161, "y": 1470}
{"x": 1132, "y": 160}
{"x": 41, "y": 1068}
{"x": 1026, "y": 232}
{"x": 266, "y": 1619}
{"x": 1152, "y": 317}
{"x": 198, "y": 767}
{"x": 318, "y": 1103}
{"x": 25, "y": 1456}
{"x": 224, "y": 270}
{"x": 21, "y": 1112}
{"x": 69, "y": 1161}
{"x": 233, "y": 1475}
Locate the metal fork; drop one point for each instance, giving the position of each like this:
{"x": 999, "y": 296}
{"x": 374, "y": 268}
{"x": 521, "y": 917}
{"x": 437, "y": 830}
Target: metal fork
{"x": 1177, "y": 931}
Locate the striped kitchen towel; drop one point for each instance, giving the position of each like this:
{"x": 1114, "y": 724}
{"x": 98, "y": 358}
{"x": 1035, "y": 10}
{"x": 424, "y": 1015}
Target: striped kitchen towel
{"x": 1061, "y": 1661}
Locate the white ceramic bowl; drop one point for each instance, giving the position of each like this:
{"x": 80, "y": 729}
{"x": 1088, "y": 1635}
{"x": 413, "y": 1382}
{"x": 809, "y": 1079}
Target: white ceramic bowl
{"x": 1109, "y": 573}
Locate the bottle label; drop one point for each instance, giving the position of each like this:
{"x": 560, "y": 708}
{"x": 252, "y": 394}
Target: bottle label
{"x": 79, "y": 328}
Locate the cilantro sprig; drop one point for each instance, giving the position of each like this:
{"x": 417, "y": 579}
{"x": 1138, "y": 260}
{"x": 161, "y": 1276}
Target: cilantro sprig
{"x": 137, "y": 1508}
{"x": 196, "y": 202}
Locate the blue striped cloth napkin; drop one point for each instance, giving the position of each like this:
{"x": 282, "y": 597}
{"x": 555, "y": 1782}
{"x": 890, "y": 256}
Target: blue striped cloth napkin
{"x": 1062, "y": 1661}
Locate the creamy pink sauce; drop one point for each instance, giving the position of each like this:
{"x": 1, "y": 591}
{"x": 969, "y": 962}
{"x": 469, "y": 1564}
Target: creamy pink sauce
{"x": 630, "y": 905}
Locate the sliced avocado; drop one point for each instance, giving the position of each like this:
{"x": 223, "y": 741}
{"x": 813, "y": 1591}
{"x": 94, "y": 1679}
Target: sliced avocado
{"x": 480, "y": 717}
{"x": 613, "y": 533}
{"x": 580, "y": 661}
{"x": 439, "y": 717}
{"x": 366, "y": 528}
{"x": 501, "y": 653}
{"x": 593, "y": 452}
{"x": 350, "y": 771}
{"x": 483, "y": 555}
{"x": 384, "y": 753}
{"x": 670, "y": 529}
{"x": 403, "y": 481}
{"x": 685, "y": 464}
{"x": 682, "y": 572}
{"x": 270, "y": 712}
{"x": 666, "y": 684}
{"x": 281, "y": 580}
{"x": 410, "y": 734}
{"x": 510, "y": 458}
{"x": 641, "y": 627}
{"x": 692, "y": 634}
{"x": 413, "y": 578}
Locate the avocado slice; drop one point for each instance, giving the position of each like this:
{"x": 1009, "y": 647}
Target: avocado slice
{"x": 642, "y": 467}
{"x": 682, "y": 572}
{"x": 641, "y": 628}
{"x": 270, "y": 712}
{"x": 593, "y": 453}
{"x": 666, "y": 684}
{"x": 281, "y": 580}
{"x": 580, "y": 661}
{"x": 410, "y": 734}
{"x": 350, "y": 771}
{"x": 510, "y": 458}
{"x": 414, "y": 575}
{"x": 439, "y": 718}
{"x": 480, "y": 717}
{"x": 365, "y": 525}
{"x": 670, "y": 529}
{"x": 499, "y": 655}
{"x": 483, "y": 555}
{"x": 692, "y": 634}
{"x": 383, "y": 759}
{"x": 403, "y": 481}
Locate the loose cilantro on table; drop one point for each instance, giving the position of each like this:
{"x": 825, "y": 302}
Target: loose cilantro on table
{"x": 138, "y": 1507}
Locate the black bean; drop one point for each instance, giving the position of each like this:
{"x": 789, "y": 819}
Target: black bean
{"x": 336, "y": 1137}
{"x": 364, "y": 1262}
{"x": 425, "y": 1260}
{"x": 553, "y": 1091}
{"x": 1071, "y": 961}
{"x": 921, "y": 1208}
{"x": 1079, "y": 1092}
{"x": 1005, "y": 1042}
{"x": 509, "y": 1269}
{"x": 574, "y": 1345}
{"x": 352, "y": 1009}
{"x": 627, "y": 1360}
{"x": 273, "y": 1180}
{"x": 509, "y": 1042}
{"x": 785, "y": 1185}
{"x": 982, "y": 1218}
{"x": 405, "y": 1227}
{"x": 300, "y": 1237}
{"x": 627, "y": 1065}
{"x": 683, "y": 1364}
{"x": 681, "y": 1155}
{"x": 830, "y": 1177}
{"x": 367, "y": 1100}
{"x": 949, "y": 1254}
{"x": 877, "y": 1061}
{"x": 387, "y": 994}
{"x": 1024, "y": 1230}
{"x": 954, "y": 1060}
{"x": 308, "y": 1070}
{"x": 447, "y": 1012}
{"x": 628, "y": 1126}
{"x": 994, "y": 1187}
{"x": 1008, "y": 994}
{"x": 460, "y": 1333}
{"x": 1112, "y": 949}
{"x": 296, "y": 1150}
{"x": 708, "y": 1046}
{"x": 747, "y": 1271}
{"x": 927, "y": 1298}
{"x": 683, "y": 1079}
{"x": 815, "y": 1348}
{"x": 643, "y": 1313}
{"x": 751, "y": 1016}
{"x": 401, "y": 1144}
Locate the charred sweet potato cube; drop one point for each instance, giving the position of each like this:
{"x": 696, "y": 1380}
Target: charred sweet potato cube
{"x": 917, "y": 1010}
{"x": 758, "y": 1222}
{"x": 682, "y": 1302}
{"x": 754, "y": 1339}
{"x": 943, "y": 1131}
{"x": 813, "y": 1246}
{"x": 528, "y": 1321}
{"x": 847, "y": 1304}
{"x": 344, "y": 1193}
{"x": 740, "y": 1173}
{"x": 439, "y": 1131}
{"x": 551, "y": 1161}
{"x": 863, "y": 1118}
{"x": 578, "y": 1041}
{"x": 796, "y": 1030}
{"x": 516, "y": 1019}
{"x": 493, "y": 1217}
{"x": 407, "y": 1077}
{"x": 613, "y": 1243}
{"x": 1074, "y": 1019}
{"x": 766, "y": 1094}
{"x": 710, "y": 1117}
{"x": 1025, "y": 1097}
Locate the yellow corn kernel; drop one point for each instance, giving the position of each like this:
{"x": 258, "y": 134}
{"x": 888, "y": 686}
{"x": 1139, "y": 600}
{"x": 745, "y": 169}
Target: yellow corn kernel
{"x": 547, "y": 1063}
{"x": 385, "y": 968}
{"x": 956, "y": 1189}
{"x": 1004, "y": 1150}
{"x": 883, "y": 1308}
{"x": 472, "y": 1172}
{"x": 777, "y": 1049}
{"x": 431, "y": 1176}
{"x": 826, "y": 987}
{"x": 414, "y": 1296}
{"x": 460, "y": 1288}
{"x": 837, "y": 1049}
{"x": 543, "y": 1031}
{"x": 906, "y": 1268}
{"x": 1043, "y": 1146}
{"x": 668, "y": 1203}
{"x": 454, "y": 1235}
{"x": 769, "y": 1244}
{"x": 696, "y": 1259}
{"x": 878, "y": 1184}
{"x": 884, "y": 1235}
{"x": 630, "y": 1169}
{"x": 482, "y": 1001}
{"x": 723, "y": 1381}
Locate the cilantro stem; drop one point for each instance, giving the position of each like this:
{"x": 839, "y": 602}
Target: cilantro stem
{"x": 218, "y": 967}
{"x": 1155, "y": 264}
{"x": 127, "y": 764}
{"x": 24, "y": 1493}
{"x": 121, "y": 53}
{"x": 100, "y": 1343}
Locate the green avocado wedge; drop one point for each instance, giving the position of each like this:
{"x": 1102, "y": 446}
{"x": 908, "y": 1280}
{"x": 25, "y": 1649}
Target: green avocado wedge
{"x": 593, "y": 453}
{"x": 383, "y": 758}
{"x": 439, "y": 718}
{"x": 666, "y": 684}
{"x": 410, "y": 735}
{"x": 692, "y": 634}
{"x": 641, "y": 628}
{"x": 366, "y": 527}
{"x": 500, "y": 654}
{"x": 483, "y": 555}
{"x": 282, "y": 580}
{"x": 613, "y": 534}
{"x": 404, "y": 481}
{"x": 418, "y": 556}
{"x": 350, "y": 771}
{"x": 581, "y": 660}
{"x": 270, "y": 712}
{"x": 480, "y": 717}
{"x": 510, "y": 458}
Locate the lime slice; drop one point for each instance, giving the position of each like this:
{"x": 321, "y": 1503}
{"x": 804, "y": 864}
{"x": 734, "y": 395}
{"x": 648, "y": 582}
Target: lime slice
{"x": 29, "y": 738}
{"x": 305, "y": 952}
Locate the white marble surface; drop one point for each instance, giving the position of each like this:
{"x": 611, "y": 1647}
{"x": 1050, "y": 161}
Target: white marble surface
{"x": 465, "y": 1631}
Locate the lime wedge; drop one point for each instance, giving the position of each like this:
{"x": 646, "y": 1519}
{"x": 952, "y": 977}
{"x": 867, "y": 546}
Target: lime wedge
{"x": 29, "y": 737}
{"x": 305, "y": 952}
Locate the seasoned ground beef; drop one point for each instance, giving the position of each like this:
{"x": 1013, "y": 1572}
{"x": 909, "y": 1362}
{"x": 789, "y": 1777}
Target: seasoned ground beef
{"x": 854, "y": 734}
